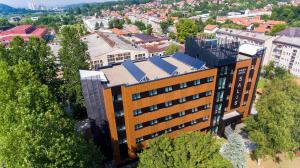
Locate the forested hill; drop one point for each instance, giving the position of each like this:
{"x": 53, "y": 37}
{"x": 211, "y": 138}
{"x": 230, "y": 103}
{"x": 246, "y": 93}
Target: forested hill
{"x": 5, "y": 9}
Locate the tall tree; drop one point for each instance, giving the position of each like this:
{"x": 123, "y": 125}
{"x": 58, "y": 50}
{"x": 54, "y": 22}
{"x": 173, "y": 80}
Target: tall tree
{"x": 234, "y": 151}
{"x": 185, "y": 28}
{"x": 188, "y": 150}
{"x": 73, "y": 55}
{"x": 273, "y": 128}
{"x": 172, "y": 49}
{"x": 34, "y": 132}
{"x": 38, "y": 54}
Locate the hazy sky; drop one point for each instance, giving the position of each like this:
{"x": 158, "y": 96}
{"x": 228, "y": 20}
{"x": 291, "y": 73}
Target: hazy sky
{"x": 24, "y": 3}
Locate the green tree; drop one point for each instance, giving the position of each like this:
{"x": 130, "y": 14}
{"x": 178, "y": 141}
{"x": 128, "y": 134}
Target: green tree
{"x": 172, "y": 49}
{"x": 73, "y": 55}
{"x": 97, "y": 26}
{"x": 164, "y": 25}
{"x": 193, "y": 149}
{"x": 34, "y": 132}
{"x": 38, "y": 54}
{"x": 273, "y": 128}
{"x": 116, "y": 23}
{"x": 4, "y": 23}
{"x": 276, "y": 29}
{"x": 185, "y": 28}
{"x": 148, "y": 30}
{"x": 140, "y": 25}
{"x": 234, "y": 151}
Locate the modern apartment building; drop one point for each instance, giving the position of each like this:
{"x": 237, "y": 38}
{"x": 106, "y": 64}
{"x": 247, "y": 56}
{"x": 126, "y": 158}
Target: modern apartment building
{"x": 286, "y": 50}
{"x": 108, "y": 48}
{"x": 209, "y": 87}
{"x": 258, "y": 39}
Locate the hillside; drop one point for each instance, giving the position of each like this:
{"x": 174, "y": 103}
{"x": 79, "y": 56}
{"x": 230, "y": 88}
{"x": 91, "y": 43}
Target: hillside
{"x": 5, "y": 9}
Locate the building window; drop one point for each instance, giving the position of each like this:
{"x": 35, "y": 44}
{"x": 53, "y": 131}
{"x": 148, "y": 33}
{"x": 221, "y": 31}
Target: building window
{"x": 220, "y": 95}
{"x": 218, "y": 108}
{"x": 197, "y": 82}
{"x": 137, "y": 112}
{"x": 208, "y": 93}
{"x": 169, "y": 130}
{"x": 182, "y": 100}
{"x": 244, "y": 103}
{"x": 152, "y": 122}
{"x": 205, "y": 118}
{"x": 152, "y": 108}
{"x": 196, "y": 96}
{"x": 138, "y": 126}
{"x": 168, "y": 89}
{"x": 194, "y": 109}
{"x": 169, "y": 103}
{"x": 209, "y": 79}
{"x": 154, "y": 135}
{"x": 181, "y": 114}
{"x": 117, "y": 97}
{"x": 181, "y": 126}
{"x": 139, "y": 140}
{"x": 122, "y": 141}
{"x": 153, "y": 92}
{"x": 119, "y": 113}
{"x": 169, "y": 117}
{"x": 183, "y": 85}
{"x": 121, "y": 128}
{"x": 193, "y": 122}
{"x": 206, "y": 106}
{"x": 136, "y": 96}
{"x": 223, "y": 70}
{"x": 221, "y": 83}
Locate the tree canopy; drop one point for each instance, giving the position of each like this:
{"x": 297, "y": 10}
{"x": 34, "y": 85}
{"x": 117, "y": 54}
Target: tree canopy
{"x": 235, "y": 150}
{"x": 172, "y": 49}
{"x": 274, "y": 129}
{"x": 73, "y": 55}
{"x": 34, "y": 131}
{"x": 193, "y": 149}
{"x": 185, "y": 28}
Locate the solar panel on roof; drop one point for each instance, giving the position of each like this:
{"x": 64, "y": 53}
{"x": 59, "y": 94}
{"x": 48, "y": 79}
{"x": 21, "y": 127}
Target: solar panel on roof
{"x": 188, "y": 60}
{"x": 135, "y": 71}
{"x": 164, "y": 65}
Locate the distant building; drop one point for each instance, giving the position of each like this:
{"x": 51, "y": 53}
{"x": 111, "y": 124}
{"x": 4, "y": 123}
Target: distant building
{"x": 91, "y": 23}
{"x": 257, "y": 39}
{"x": 207, "y": 88}
{"x": 107, "y": 48}
{"x": 210, "y": 29}
{"x": 286, "y": 50}
{"x": 15, "y": 19}
{"x": 23, "y": 31}
{"x": 143, "y": 39}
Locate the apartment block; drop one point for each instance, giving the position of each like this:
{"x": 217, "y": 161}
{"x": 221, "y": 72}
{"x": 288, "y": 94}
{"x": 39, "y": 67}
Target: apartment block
{"x": 210, "y": 87}
{"x": 286, "y": 50}
{"x": 247, "y": 37}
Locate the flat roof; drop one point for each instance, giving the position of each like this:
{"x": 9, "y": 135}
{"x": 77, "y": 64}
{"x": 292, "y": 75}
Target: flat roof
{"x": 294, "y": 41}
{"x": 102, "y": 43}
{"x": 119, "y": 74}
{"x": 245, "y": 34}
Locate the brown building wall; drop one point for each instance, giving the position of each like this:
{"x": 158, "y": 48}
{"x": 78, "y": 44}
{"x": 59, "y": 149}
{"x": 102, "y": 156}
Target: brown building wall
{"x": 244, "y": 108}
{"x": 129, "y": 105}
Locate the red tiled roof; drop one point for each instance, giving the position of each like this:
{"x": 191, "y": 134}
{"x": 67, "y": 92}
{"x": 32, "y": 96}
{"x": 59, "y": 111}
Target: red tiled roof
{"x": 23, "y": 31}
{"x": 118, "y": 31}
{"x": 210, "y": 27}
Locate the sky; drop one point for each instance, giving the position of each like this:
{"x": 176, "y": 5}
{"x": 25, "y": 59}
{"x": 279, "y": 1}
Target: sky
{"x": 51, "y": 3}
